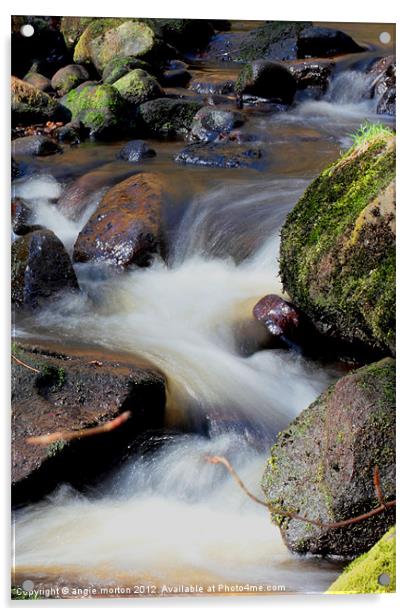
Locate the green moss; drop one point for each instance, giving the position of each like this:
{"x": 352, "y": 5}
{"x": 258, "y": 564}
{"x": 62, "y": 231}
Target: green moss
{"x": 55, "y": 448}
{"x": 138, "y": 86}
{"x": 350, "y": 284}
{"x": 98, "y": 107}
{"x": 258, "y": 44}
{"x": 120, "y": 66}
{"x": 96, "y": 28}
{"x": 72, "y": 29}
{"x": 363, "y": 574}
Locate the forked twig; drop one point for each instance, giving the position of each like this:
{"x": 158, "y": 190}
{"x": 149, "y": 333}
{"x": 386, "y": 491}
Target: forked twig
{"x": 384, "y": 505}
{"x": 19, "y": 361}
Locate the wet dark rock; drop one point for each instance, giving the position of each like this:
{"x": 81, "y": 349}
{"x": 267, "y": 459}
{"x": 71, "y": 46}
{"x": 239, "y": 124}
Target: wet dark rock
{"x": 126, "y": 228}
{"x": 287, "y": 325}
{"x": 72, "y": 29}
{"x": 72, "y": 133}
{"x": 15, "y": 169}
{"x": 176, "y": 78}
{"x": 38, "y": 81}
{"x": 122, "y": 65}
{"x": 168, "y": 117}
{"x": 312, "y": 74}
{"x": 34, "y": 145}
{"x": 271, "y": 80}
{"x": 135, "y": 151}
{"x": 322, "y": 465}
{"x": 384, "y": 85}
{"x": 219, "y": 155}
{"x": 274, "y": 40}
{"x": 21, "y": 217}
{"x": 211, "y": 123}
{"x": 183, "y": 34}
{"x": 317, "y": 42}
{"x": 76, "y": 389}
{"x": 40, "y": 269}
{"x": 68, "y": 78}
{"x": 30, "y": 105}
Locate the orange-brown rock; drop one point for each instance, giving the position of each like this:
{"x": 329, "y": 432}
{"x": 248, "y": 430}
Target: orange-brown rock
{"x": 126, "y": 229}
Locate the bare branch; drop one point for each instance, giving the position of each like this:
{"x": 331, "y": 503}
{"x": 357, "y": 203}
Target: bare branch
{"x": 47, "y": 439}
{"x": 18, "y": 361}
{"x": 384, "y": 505}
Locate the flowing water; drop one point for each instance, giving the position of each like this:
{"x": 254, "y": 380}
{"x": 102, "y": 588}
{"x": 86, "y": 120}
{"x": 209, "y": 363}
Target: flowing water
{"x": 166, "y": 516}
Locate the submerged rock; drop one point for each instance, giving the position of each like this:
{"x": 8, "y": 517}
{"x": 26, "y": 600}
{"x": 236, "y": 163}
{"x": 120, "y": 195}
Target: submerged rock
{"x": 30, "y": 105}
{"x": 176, "y": 78}
{"x": 40, "y": 268}
{"x": 99, "y": 107}
{"x": 126, "y": 228}
{"x": 138, "y": 86}
{"x": 265, "y": 79}
{"x": 21, "y": 217}
{"x": 222, "y": 155}
{"x": 135, "y": 151}
{"x": 322, "y": 465}
{"x": 337, "y": 254}
{"x": 168, "y": 117}
{"x": 210, "y": 123}
{"x": 68, "y": 78}
{"x": 73, "y": 390}
{"x": 317, "y": 42}
{"x": 34, "y": 145}
{"x": 372, "y": 572}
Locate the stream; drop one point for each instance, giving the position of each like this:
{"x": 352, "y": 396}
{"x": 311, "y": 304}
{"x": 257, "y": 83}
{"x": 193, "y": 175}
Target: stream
{"x": 166, "y": 517}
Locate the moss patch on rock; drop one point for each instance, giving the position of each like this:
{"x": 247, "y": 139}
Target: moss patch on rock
{"x": 273, "y": 40}
{"x": 138, "y": 86}
{"x": 72, "y": 29}
{"x": 99, "y": 107}
{"x": 372, "y": 572}
{"x": 120, "y": 66}
{"x": 167, "y": 117}
{"x": 29, "y": 104}
{"x": 337, "y": 255}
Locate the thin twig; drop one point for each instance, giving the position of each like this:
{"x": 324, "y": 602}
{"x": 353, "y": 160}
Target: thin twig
{"x": 47, "y": 439}
{"x": 18, "y": 361}
{"x": 291, "y": 514}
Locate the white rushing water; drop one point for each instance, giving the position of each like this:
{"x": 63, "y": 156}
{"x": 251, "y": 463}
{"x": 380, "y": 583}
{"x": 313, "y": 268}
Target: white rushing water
{"x": 172, "y": 517}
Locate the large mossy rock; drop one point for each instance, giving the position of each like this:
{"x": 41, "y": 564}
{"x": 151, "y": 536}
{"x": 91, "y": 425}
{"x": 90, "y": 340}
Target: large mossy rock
{"x": 322, "y": 465}
{"x": 72, "y": 29}
{"x": 76, "y": 389}
{"x": 168, "y": 117}
{"x": 68, "y": 78}
{"x": 105, "y": 39}
{"x": 275, "y": 40}
{"x": 30, "y": 105}
{"x": 40, "y": 268}
{"x": 138, "y": 87}
{"x": 372, "y": 572}
{"x": 337, "y": 255}
{"x": 100, "y": 108}
{"x": 126, "y": 228}
{"x": 121, "y": 65}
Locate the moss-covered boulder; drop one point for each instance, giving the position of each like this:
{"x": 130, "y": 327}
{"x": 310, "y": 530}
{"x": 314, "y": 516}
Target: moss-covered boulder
{"x": 138, "y": 87}
{"x": 72, "y": 29}
{"x": 274, "y": 40}
{"x": 322, "y": 466}
{"x": 121, "y": 65}
{"x": 40, "y": 268}
{"x": 30, "y": 105}
{"x": 270, "y": 80}
{"x": 99, "y": 107}
{"x": 372, "y": 572}
{"x": 168, "y": 117}
{"x": 68, "y": 78}
{"x": 337, "y": 256}
{"x": 108, "y": 38}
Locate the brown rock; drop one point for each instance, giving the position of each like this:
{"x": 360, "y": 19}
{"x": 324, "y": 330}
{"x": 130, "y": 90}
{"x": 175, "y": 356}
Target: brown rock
{"x": 126, "y": 228}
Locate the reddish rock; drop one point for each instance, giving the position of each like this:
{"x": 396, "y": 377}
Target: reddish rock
{"x": 126, "y": 228}
{"x": 286, "y": 323}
